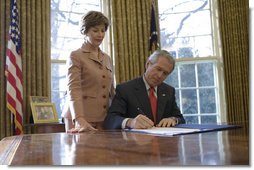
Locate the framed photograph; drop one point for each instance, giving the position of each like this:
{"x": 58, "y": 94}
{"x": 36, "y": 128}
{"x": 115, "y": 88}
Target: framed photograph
{"x": 44, "y": 113}
{"x": 39, "y": 99}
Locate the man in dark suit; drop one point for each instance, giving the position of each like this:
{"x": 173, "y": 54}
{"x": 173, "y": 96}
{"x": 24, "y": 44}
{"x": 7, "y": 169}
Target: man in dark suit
{"x": 135, "y": 105}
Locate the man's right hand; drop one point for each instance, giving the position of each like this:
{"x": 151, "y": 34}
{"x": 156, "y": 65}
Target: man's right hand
{"x": 140, "y": 122}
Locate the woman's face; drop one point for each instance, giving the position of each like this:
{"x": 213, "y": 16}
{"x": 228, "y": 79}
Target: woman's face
{"x": 95, "y": 35}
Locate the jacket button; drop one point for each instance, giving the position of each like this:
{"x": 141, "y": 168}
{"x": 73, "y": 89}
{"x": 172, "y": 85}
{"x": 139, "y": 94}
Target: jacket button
{"x": 103, "y": 76}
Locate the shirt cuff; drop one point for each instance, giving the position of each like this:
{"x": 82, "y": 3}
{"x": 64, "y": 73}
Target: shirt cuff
{"x": 124, "y": 123}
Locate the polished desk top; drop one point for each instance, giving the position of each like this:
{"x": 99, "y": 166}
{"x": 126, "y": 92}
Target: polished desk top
{"x": 228, "y": 147}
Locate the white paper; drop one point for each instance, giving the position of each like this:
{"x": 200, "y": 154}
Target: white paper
{"x": 167, "y": 131}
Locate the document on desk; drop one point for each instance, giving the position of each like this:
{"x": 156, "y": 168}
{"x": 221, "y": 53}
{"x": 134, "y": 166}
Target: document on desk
{"x": 166, "y": 131}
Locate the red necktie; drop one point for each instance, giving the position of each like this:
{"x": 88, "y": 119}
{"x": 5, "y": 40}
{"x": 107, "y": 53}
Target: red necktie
{"x": 153, "y": 102}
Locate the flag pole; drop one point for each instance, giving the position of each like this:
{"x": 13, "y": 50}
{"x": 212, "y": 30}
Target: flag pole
{"x": 153, "y": 39}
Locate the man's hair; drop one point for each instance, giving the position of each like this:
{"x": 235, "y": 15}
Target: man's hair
{"x": 91, "y": 19}
{"x": 153, "y": 58}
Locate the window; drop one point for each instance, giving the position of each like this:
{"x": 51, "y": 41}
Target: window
{"x": 65, "y": 37}
{"x": 188, "y": 29}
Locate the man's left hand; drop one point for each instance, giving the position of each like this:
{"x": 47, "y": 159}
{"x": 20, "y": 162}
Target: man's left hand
{"x": 167, "y": 122}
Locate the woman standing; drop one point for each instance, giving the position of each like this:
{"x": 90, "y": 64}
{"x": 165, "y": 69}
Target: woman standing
{"x": 89, "y": 78}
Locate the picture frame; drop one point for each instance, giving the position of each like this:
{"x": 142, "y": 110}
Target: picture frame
{"x": 39, "y": 99}
{"x": 44, "y": 113}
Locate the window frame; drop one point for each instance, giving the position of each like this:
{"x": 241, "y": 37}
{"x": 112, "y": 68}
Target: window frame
{"x": 218, "y": 70}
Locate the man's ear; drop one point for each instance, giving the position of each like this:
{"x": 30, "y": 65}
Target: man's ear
{"x": 147, "y": 63}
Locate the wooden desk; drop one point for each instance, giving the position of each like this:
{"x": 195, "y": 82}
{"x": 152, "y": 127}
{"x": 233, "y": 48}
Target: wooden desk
{"x": 230, "y": 147}
{"x": 44, "y": 128}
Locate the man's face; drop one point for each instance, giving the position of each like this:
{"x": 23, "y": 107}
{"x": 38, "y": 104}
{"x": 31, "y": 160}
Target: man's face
{"x": 156, "y": 73}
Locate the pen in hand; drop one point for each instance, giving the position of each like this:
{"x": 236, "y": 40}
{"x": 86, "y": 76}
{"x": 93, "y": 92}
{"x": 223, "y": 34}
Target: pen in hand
{"x": 140, "y": 111}
{"x": 143, "y": 113}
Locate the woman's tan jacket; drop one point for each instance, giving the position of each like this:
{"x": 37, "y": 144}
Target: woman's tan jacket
{"x": 89, "y": 85}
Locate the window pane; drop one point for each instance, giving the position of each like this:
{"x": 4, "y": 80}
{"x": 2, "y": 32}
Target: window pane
{"x": 185, "y": 52}
{"x": 205, "y": 74}
{"x": 63, "y": 46}
{"x": 188, "y": 47}
{"x": 173, "y": 54}
{"x": 58, "y": 99}
{"x": 68, "y": 21}
{"x": 58, "y": 86}
{"x": 189, "y": 102}
{"x": 187, "y": 73}
{"x": 58, "y": 75}
{"x": 172, "y": 79}
{"x": 190, "y": 18}
{"x": 191, "y": 26}
{"x": 191, "y": 119}
{"x": 177, "y": 6}
{"x": 207, "y": 101}
{"x": 65, "y": 29}
{"x": 203, "y": 46}
{"x": 188, "y": 24}
{"x": 209, "y": 119}
{"x": 77, "y": 5}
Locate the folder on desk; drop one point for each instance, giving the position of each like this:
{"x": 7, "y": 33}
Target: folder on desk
{"x": 208, "y": 127}
{"x": 183, "y": 129}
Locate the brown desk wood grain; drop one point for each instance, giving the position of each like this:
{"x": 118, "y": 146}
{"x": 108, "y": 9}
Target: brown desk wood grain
{"x": 44, "y": 128}
{"x": 229, "y": 147}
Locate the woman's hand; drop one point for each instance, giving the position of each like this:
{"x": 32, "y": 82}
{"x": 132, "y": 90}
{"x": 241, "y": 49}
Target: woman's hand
{"x": 81, "y": 125}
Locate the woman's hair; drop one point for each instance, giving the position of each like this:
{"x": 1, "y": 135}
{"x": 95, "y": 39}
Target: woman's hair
{"x": 91, "y": 19}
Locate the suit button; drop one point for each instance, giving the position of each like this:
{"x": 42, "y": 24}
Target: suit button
{"x": 104, "y": 96}
{"x": 103, "y": 76}
{"x": 104, "y": 106}
{"x": 104, "y": 86}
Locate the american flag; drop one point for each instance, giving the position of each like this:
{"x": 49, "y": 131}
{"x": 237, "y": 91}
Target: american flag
{"x": 14, "y": 88}
{"x": 153, "y": 39}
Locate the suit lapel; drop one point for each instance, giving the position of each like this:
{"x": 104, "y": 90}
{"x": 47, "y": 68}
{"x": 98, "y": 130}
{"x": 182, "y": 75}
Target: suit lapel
{"x": 161, "y": 101}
